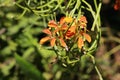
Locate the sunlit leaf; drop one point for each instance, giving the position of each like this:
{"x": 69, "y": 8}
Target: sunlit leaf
{"x": 45, "y": 53}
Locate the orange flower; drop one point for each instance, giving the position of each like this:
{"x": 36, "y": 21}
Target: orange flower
{"x": 67, "y": 28}
{"x": 82, "y": 21}
{"x": 70, "y": 32}
{"x": 117, "y": 5}
{"x": 58, "y": 26}
{"x": 45, "y": 39}
{"x": 49, "y": 37}
{"x": 52, "y": 34}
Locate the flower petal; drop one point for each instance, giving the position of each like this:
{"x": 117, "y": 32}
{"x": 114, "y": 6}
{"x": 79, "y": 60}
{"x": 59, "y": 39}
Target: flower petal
{"x": 62, "y": 42}
{"x": 72, "y": 28}
{"x": 62, "y": 20}
{"x": 52, "y": 23}
{"x": 83, "y": 19}
{"x": 69, "y": 34}
{"x": 87, "y": 37}
{"x": 52, "y": 42}
{"x": 80, "y": 42}
{"x": 47, "y": 31}
{"x": 43, "y": 40}
{"x": 56, "y": 30}
{"x": 64, "y": 27}
{"x": 68, "y": 19}
{"x": 82, "y": 25}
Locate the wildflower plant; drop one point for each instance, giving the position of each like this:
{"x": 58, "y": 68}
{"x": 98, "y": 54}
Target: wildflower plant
{"x": 69, "y": 37}
{"x": 66, "y": 35}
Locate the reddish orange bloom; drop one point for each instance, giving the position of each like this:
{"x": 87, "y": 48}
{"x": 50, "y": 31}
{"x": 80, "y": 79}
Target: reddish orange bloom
{"x": 49, "y": 37}
{"x": 52, "y": 35}
{"x": 117, "y": 5}
{"x": 66, "y": 29}
{"x": 70, "y": 32}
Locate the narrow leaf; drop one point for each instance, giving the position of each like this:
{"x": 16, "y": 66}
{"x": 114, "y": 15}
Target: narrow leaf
{"x": 29, "y": 69}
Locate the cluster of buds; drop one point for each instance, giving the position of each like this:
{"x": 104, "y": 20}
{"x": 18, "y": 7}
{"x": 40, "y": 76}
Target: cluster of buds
{"x": 67, "y": 32}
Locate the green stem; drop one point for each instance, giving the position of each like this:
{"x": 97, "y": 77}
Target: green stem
{"x": 74, "y": 9}
{"x": 96, "y": 18}
{"x": 115, "y": 49}
{"x": 95, "y": 3}
{"x": 23, "y": 13}
{"x": 99, "y": 20}
{"x": 96, "y": 68}
{"x": 89, "y": 8}
{"x": 47, "y": 4}
{"x": 69, "y": 4}
{"x": 100, "y": 76}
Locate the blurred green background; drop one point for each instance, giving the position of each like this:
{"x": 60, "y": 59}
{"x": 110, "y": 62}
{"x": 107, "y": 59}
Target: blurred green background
{"x": 21, "y": 57}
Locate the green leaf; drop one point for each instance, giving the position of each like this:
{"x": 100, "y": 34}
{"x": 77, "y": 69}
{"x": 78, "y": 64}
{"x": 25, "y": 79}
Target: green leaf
{"x": 45, "y": 53}
{"x": 83, "y": 61}
{"x": 7, "y": 65}
{"x": 28, "y": 52}
{"x": 29, "y": 69}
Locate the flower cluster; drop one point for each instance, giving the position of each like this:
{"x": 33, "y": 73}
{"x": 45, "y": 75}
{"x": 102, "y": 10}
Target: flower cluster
{"x": 68, "y": 30}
